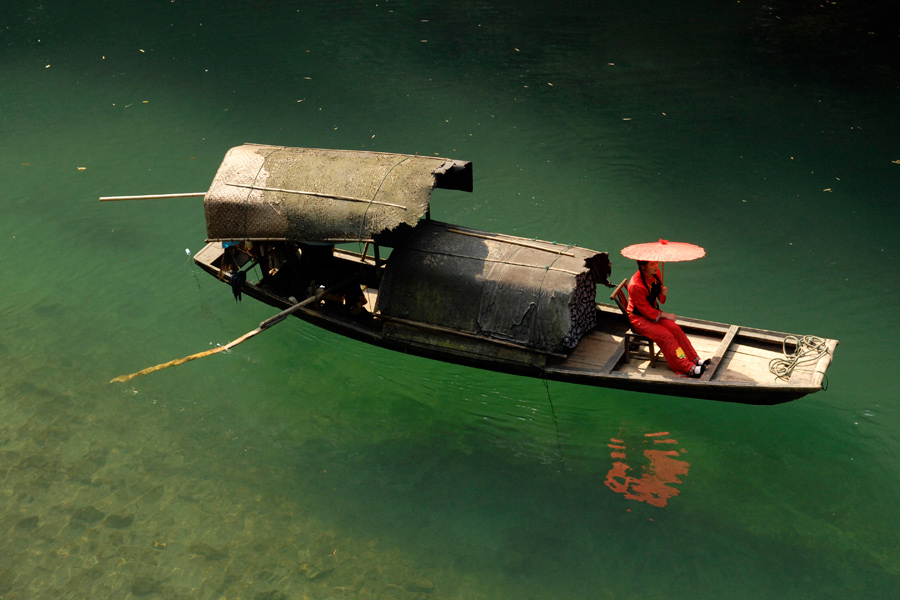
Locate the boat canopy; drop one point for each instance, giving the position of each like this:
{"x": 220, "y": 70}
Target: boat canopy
{"x": 534, "y": 293}
{"x": 311, "y": 195}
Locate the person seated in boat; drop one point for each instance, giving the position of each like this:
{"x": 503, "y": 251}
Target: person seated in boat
{"x": 645, "y": 292}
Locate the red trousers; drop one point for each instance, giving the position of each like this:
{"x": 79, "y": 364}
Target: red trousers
{"x": 676, "y": 347}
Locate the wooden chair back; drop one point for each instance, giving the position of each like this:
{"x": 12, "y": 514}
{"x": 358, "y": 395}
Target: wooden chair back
{"x": 620, "y": 297}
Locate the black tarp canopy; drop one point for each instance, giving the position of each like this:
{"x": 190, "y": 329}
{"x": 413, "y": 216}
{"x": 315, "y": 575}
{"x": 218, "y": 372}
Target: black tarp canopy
{"x": 534, "y": 293}
{"x": 311, "y": 195}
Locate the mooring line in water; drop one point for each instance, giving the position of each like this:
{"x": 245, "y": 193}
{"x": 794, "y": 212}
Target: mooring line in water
{"x": 562, "y": 459}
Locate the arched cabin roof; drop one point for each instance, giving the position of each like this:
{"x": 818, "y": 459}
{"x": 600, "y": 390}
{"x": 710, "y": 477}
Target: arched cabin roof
{"x": 311, "y": 195}
{"x": 539, "y": 294}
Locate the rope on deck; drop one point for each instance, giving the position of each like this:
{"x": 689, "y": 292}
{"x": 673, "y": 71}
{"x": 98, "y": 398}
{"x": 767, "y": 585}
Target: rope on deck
{"x": 807, "y": 349}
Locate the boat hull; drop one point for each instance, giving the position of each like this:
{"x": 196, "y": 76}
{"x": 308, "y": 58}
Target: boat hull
{"x": 741, "y": 365}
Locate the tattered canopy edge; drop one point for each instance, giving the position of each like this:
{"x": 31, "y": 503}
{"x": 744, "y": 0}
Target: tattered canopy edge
{"x": 304, "y": 194}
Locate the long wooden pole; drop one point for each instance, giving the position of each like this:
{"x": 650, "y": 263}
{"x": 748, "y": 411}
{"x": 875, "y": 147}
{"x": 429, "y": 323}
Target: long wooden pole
{"x": 508, "y": 241}
{"x": 152, "y": 197}
{"x": 262, "y": 327}
{"x": 316, "y": 194}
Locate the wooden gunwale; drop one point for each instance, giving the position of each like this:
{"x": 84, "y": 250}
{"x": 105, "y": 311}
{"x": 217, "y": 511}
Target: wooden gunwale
{"x": 824, "y": 361}
{"x": 696, "y": 325}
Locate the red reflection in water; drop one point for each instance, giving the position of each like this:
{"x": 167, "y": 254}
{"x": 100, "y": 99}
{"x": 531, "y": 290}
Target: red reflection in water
{"x": 652, "y": 486}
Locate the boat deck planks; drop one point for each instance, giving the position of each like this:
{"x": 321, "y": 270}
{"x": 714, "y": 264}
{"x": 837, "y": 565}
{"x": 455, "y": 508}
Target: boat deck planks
{"x": 593, "y": 351}
{"x": 738, "y": 357}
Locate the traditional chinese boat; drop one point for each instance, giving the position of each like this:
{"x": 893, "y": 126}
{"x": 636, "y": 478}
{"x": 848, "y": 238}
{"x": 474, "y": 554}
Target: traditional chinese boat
{"x": 286, "y": 224}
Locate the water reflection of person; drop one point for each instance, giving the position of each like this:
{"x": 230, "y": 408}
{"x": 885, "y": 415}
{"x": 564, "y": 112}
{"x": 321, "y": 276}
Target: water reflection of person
{"x": 645, "y": 292}
{"x": 654, "y": 485}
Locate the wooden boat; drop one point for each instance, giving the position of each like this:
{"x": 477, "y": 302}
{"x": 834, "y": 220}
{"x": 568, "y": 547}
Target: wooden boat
{"x": 283, "y": 223}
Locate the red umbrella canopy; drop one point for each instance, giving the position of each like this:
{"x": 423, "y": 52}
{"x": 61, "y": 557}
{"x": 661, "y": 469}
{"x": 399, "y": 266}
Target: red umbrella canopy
{"x": 664, "y": 251}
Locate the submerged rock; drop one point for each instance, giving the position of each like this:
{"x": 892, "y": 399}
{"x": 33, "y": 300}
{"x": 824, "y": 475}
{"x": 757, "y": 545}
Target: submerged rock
{"x": 28, "y": 524}
{"x": 119, "y": 521}
{"x": 318, "y": 568}
{"x": 206, "y": 551}
{"x": 420, "y": 586}
{"x": 143, "y": 586}
{"x": 87, "y": 514}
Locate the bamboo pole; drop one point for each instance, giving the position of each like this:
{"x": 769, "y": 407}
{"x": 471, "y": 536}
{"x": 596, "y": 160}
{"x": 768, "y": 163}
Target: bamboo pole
{"x": 316, "y": 194}
{"x": 152, "y": 197}
{"x": 509, "y": 241}
{"x": 262, "y": 327}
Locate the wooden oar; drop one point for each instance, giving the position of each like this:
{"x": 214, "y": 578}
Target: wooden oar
{"x": 262, "y": 327}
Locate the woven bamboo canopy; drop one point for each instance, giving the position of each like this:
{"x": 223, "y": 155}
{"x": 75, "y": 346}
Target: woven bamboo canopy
{"x": 501, "y": 286}
{"x": 311, "y": 195}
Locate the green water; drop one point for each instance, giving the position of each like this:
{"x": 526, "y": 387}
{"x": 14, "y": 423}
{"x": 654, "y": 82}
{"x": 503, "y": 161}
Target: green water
{"x": 302, "y": 465}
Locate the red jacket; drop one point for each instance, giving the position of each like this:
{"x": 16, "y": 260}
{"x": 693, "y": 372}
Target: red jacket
{"x": 638, "y": 303}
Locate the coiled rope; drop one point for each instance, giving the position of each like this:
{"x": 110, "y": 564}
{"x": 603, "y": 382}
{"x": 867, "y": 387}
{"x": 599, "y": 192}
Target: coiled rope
{"x": 807, "y": 349}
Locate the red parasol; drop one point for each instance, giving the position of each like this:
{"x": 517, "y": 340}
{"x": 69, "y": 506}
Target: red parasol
{"x": 664, "y": 251}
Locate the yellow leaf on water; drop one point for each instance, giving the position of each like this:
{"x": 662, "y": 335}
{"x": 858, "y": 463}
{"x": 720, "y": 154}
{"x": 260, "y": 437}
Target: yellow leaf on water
{"x": 82, "y": 168}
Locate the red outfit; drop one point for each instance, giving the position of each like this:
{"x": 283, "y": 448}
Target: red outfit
{"x": 647, "y": 320}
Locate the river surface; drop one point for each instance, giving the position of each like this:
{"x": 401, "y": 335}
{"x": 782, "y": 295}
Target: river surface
{"x": 304, "y": 465}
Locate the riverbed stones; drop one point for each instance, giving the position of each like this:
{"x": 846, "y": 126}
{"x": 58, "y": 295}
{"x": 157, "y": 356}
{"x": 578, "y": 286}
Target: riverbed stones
{"x": 119, "y": 521}
{"x": 142, "y": 586}
{"x": 87, "y": 514}
{"x": 318, "y": 568}
{"x": 420, "y": 585}
{"x": 27, "y": 524}
{"x": 206, "y": 551}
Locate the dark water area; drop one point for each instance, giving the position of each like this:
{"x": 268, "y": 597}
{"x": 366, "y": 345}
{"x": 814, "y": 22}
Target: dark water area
{"x": 852, "y": 44}
{"x": 305, "y": 465}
